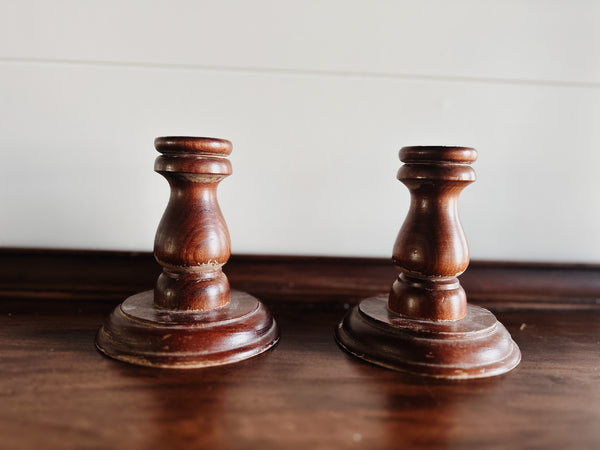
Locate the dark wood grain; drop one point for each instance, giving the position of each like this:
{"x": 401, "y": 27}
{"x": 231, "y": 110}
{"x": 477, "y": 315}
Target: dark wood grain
{"x": 109, "y": 276}
{"x": 192, "y": 241}
{"x": 58, "y": 392}
{"x": 424, "y": 326}
{"x": 191, "y": 318}
{"x": 431, "y": 249}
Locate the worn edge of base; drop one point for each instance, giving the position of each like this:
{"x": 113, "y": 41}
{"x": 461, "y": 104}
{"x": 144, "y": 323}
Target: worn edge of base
{"x": 111, "y": 348}
{"x": 197, "y": 364}
{"x": 407, "y": 368}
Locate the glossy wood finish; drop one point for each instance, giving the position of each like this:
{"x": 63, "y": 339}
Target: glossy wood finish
{"x": 191, "y": 318}
{"x": 56, "y": 392}
{"x": 192, "y": 241}
{"x": 431, "y": 248}
{"x": 424, "y": 325}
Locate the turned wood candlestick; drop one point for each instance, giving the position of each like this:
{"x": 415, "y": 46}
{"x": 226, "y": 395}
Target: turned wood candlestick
{"x": 191, "y": 318}
{"x": 425, "y": 325}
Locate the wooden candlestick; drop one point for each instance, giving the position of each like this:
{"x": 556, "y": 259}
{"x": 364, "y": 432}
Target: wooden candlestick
{"x": 191, "y": 318}
{"x": 425, "y": 325}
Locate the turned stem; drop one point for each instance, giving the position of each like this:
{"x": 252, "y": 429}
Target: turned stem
{"x": 431, "y": 248}
{"x": 192, "y": 241}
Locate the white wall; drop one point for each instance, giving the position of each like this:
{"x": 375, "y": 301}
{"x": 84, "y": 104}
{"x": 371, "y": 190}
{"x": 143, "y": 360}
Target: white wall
{"x": 317, "y": 97}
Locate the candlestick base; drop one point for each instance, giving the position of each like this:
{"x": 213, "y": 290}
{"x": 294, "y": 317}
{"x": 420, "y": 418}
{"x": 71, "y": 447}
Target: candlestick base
{"x": 473, "y": 347}
{"x": 139, "y": 333}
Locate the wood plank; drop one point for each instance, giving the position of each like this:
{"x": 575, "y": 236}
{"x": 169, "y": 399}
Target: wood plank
{"x": 57, "y": 391}
{"x": 111, "y": 276}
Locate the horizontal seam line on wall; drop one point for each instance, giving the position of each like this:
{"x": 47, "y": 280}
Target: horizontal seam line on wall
{"x": 305, "y": 72}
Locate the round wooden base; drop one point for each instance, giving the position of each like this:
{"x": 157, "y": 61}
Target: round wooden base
{"x": 139, "y": 333}
{"x": 474, "y": 347}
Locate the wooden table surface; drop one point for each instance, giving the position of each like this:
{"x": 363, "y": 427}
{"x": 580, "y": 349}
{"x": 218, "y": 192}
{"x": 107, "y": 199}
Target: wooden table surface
{"x": 57, "y": 391}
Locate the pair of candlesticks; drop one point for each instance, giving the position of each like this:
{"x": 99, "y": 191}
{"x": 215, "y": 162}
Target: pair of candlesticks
{"x": 424, "y": 326}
